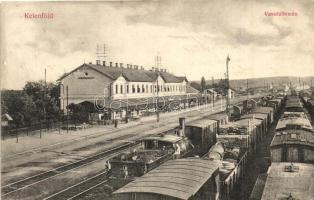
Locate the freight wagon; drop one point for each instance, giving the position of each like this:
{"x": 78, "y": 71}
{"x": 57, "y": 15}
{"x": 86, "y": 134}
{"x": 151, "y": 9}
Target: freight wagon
{"x": 233, "y": 163}
{"x": 285, "y": 181}
{"x": 202, "y": 135}
{"x": 180, "y": 179}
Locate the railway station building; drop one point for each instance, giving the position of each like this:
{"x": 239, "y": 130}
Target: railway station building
{"x": 116, "y": 91}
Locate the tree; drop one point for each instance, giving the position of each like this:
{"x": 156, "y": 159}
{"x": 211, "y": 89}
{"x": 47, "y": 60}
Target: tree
{"x": 46, "y": 98}
{"x": 19, "y": 106}
{"x": 203, "y": 84}
{"x": 35, "y": 102}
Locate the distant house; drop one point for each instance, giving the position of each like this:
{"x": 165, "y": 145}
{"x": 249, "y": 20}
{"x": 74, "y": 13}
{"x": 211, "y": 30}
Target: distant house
{"x": 212, "y": 93}
{"x": 5, "y": 120}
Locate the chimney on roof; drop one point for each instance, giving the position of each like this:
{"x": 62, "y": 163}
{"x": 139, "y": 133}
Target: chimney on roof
{"x": 153, "y": 68}
{"x": 117, "y": 65}
{"x": 121, "y": 65}
{"x": 131, "y": 66}
{"x": 110, "y": 64}
{"x": 135, "y": 66}
{"x": 97, "y": 62}
{"x": 165, "y": 70}
{"x": 104, "y": 63}
{"x": 142, "y": 68}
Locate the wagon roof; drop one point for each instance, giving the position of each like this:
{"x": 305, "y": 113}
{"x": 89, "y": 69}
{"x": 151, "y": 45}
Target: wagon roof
{"x": 201, "y": 123}
{"x": 181, "y": 178}
{"x": 254, "y": 115}
{"x": 293, "y": 137}
{"x": 265, "y": 110}
{"x": 299, "y": 183}
{"x": 218, "y": 116}
{"x": 164, "y": 138}
{"x": 283, "y": 122}
{"x": 245, "y": 122}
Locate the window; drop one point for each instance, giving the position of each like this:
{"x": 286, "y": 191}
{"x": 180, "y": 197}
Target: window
{"x": 117, "y": 89}
{"x": 138, "y": 89}
{"x": 121, "y": 89}
{"x": 127, "y": 88}
{"x": 143, "y": 88}
{"x": 151, "y": 88}
{"x": 133, "y": 89}
{"x": 146, "y": 88}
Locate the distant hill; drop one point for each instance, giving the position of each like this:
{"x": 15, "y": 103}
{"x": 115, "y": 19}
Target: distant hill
{"x": 264, "y": 82}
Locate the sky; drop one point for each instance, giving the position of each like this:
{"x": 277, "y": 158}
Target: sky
{"x": 193, "y": 38}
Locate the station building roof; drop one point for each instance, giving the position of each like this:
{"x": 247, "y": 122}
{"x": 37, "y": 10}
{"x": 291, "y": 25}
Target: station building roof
{"x": 130, "y": 74}
{"x": 281, "y": 183}
{"x": 180, "y": 178}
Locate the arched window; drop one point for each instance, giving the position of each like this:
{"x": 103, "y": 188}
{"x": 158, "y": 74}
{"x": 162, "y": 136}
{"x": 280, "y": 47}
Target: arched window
{"x": 138, "y": 89}
{"x": 146, "y": 88}
{"x": 117, "y": 92}
{"x": 127, "y": 88}
{"x": 121, "y": 89}
{"x": 143, "y": 88}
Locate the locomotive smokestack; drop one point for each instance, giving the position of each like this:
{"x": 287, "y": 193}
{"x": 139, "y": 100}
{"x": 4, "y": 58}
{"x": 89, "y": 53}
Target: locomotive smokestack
{"x": 182, "y": 125}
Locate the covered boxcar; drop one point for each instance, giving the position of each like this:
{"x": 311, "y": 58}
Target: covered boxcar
{"x": 285, "y": 181}
{"x": 293, "y": 146}
{"x": 188, "y": 179}
{"x": 294, "y": 121}
{"x": 266, "y": 110}
{"x": 260, "y": 116}
{"x": 293, "y": 104}
{"x": 202, "y": 134}
{"x": 222, "y": 118}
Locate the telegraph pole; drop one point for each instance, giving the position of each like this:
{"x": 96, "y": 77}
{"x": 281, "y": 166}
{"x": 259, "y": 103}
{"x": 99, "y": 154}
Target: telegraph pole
{"x": 247, "y": 89}
{"x": 158, "y": 65}
{"x": 228, "y": 86}
{"x": 44, "y": 98}
{"x": 67, "y": 91}
{"x": 213, "y": 95}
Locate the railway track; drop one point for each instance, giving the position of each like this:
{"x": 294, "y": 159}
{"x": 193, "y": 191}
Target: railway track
{"x": 84, "y": 186}
{"x": 21, "y": 184}
{"x": 80, "y": 188}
